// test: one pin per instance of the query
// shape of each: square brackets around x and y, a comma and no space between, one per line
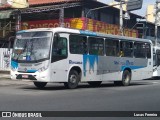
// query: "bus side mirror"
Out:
[10,42]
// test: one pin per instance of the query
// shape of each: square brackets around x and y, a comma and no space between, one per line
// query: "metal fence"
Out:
[5,58]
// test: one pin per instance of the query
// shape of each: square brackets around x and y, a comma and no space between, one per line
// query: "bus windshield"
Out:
[32,46]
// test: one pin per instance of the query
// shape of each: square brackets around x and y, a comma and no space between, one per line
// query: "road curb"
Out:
[4,72]
[4,76]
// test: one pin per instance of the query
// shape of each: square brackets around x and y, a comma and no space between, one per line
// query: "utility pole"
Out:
[156,22]
[18,20]
[121,18]
[61,17]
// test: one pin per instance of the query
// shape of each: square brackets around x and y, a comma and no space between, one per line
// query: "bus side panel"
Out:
[75,61]
[156,61]
[111,68]
[156,71]
[91,68]
[59,71]
[143,69]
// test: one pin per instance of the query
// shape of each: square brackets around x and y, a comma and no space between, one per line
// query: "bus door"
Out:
[59,54]
[157,62]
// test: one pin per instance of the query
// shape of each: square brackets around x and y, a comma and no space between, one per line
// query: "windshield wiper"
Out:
[32,53]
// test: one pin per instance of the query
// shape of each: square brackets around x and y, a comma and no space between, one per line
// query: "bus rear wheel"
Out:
[73,80]
[126,78]
[95,83]
[40,85]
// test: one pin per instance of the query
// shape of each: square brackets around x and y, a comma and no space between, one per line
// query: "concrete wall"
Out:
[5,58]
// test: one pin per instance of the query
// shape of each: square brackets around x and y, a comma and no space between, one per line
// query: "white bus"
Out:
[71,56]
[156,61]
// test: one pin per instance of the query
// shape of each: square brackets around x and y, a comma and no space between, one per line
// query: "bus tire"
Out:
[40,85]
[95,83]
[73,80]
[126,78]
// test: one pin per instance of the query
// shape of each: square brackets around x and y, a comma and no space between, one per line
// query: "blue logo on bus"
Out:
[74,62]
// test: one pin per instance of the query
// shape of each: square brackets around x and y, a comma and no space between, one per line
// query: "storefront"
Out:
[79,23]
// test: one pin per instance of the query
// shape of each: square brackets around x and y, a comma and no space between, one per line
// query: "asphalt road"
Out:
[142,95]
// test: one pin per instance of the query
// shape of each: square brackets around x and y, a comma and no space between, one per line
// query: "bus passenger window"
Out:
[126,48]
[121,53]
[96,46]
[140,50]
[112,47]
[59,48]
[148,50]
[78,44]
[156,58]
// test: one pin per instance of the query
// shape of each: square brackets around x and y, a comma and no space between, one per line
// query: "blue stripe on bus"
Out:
[132,67]
[92,60]
[14,64]
[88,33]
[31,71]
[22,31]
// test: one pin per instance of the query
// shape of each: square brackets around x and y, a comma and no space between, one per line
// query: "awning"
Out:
[5,14]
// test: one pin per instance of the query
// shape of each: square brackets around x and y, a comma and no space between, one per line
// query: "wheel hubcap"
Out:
[73,79]
[126,78]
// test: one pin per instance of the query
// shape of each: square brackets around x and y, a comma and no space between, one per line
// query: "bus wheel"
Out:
[40,85]
[126,78]
[73,80]
[95,83]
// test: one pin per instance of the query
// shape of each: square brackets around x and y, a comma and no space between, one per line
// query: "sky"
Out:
[141,11]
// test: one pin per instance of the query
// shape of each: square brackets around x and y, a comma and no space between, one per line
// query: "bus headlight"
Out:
[13,69]
[42,68]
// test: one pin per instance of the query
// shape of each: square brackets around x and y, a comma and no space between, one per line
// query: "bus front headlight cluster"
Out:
[13,69]
[43,68]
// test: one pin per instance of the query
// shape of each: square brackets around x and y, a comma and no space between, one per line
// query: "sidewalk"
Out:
[5,80]
[4,74]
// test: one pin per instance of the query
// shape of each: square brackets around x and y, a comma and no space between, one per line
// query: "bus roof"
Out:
[85,32]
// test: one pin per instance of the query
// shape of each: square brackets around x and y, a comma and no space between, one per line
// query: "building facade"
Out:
[70,13]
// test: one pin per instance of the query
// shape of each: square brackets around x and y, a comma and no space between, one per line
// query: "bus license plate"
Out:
[24,76]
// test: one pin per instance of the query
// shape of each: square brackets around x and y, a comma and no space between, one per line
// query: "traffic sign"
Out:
[134,5]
